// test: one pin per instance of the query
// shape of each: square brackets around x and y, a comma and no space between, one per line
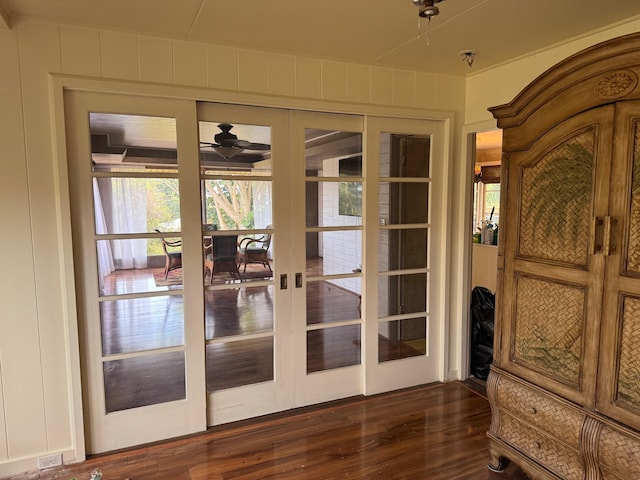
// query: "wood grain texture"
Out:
[433,432]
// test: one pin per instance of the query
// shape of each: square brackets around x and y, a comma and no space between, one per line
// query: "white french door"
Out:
[406,254]
[332,287]
[141,336]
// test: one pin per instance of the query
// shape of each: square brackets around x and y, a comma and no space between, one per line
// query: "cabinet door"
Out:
[553,266]
[619,380]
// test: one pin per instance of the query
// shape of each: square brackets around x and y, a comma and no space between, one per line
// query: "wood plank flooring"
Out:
[434,432]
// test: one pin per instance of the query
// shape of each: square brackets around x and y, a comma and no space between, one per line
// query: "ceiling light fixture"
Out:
[468,56]
[426,9]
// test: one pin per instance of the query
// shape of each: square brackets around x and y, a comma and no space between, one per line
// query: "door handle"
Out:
[597,235]
[283,281]
[299,280]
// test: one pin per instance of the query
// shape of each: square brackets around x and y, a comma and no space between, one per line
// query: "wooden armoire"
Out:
[564,387]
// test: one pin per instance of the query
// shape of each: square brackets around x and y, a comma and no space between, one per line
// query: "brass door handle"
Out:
[597,235]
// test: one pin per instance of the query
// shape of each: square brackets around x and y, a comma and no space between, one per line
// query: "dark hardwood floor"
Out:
[434,432]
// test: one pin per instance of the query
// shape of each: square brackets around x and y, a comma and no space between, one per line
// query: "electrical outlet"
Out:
[50,461]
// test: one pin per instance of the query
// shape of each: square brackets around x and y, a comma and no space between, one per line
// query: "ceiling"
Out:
[376,32]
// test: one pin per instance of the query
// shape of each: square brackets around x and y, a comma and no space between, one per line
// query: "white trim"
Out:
[462,284]
[59,83]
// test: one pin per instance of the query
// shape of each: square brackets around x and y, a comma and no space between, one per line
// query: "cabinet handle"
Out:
[283,281]
[298,280]
[607,246]
[533,411]
[597,235]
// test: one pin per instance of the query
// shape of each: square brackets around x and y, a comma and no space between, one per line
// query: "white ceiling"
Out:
[377,32]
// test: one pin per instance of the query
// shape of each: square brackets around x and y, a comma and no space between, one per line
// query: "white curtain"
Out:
[129,215]
[105,256]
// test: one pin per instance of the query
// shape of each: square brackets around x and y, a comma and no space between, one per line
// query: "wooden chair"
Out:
[255,250]
[173,257]
[221,255]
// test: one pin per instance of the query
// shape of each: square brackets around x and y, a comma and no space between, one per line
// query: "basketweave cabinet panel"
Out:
[567,336]
[552,283]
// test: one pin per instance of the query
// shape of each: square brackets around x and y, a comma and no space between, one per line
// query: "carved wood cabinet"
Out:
[565,384]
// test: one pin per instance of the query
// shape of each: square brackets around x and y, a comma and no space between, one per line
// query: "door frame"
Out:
[59,83]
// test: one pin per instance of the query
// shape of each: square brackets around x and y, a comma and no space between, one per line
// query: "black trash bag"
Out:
[482,321]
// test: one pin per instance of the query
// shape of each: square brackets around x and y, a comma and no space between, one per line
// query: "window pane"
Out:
[331,153]
[132,143]
[139,324]
[333,347]
[400,294]
[333,301]
[136,205]
[402,249]
[402,339]
[141,381]
[137,265]
[333,204]
[404,155]
[334,252]
[227,149]
[238,311]
[403,203]
[237,204]
[234,364]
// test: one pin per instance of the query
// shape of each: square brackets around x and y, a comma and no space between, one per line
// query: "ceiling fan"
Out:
[228,145]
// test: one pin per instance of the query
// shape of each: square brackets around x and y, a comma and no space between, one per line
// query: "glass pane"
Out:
[139,324]
[400,294]
[333,301]
[237,204]
[333,347]
[403,203]
[138,265]
[401,249]
[402,339]
[333,204]
[234,364]
[141,381]
[238,311]
[404,155]
[132,143]
[227,149]
[335,252]
[136,205]
[326,148]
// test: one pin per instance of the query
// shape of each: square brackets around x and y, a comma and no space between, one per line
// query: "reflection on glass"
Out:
[136,205]
[333,347]
[399,294]
[333,301]
[402,203]
[402,339]
[237,204]
[132,143]
[234,364]
[238,311]
[404,155]
[138,324]
[402,249]
[334,252]
[233,149]
[142,381]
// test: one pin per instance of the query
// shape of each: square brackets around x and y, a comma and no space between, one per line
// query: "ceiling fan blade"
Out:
[258,146]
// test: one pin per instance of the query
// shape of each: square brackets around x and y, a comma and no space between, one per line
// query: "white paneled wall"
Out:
[38,407]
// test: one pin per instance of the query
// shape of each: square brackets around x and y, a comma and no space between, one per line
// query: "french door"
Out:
[235,261]
[130,163]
